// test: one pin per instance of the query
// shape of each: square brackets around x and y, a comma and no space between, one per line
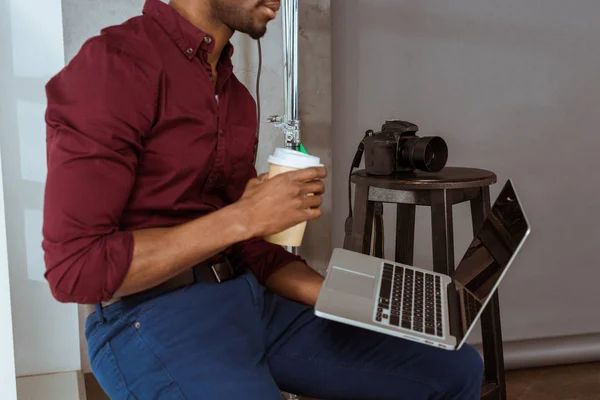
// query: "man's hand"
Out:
[297,282]
[276,204]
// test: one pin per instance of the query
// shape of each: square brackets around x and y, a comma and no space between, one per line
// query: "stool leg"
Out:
[405,233]
[362,226]
[491,330]
[378,236]
[442,232]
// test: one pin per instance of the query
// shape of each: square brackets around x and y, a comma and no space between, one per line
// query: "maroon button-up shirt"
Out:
[137,139]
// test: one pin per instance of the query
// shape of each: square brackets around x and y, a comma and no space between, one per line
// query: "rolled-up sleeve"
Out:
[262,258]
[99,108]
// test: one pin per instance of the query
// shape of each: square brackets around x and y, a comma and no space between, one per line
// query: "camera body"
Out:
[397,149]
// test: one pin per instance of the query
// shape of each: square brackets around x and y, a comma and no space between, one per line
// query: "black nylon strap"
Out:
[378,239]
[355,164]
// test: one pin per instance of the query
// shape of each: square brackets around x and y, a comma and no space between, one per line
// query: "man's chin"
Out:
[256,33]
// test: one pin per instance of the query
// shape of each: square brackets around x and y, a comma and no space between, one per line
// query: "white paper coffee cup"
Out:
[286,160]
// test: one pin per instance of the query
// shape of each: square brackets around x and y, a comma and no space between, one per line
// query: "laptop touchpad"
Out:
[353,283]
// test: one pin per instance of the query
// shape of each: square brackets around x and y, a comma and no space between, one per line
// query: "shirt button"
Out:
[221,132]
[207,39]
[190,51]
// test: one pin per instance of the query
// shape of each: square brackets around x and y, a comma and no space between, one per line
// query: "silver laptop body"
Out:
[418,304]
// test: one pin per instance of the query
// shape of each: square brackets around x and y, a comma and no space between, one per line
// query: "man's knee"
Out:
[468,375]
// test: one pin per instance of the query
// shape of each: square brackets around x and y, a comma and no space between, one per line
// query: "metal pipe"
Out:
[289,123]
[290,59]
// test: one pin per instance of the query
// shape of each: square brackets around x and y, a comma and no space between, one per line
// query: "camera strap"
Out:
[378,234]
[379,244]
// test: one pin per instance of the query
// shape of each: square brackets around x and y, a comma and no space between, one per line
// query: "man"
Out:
[154,213]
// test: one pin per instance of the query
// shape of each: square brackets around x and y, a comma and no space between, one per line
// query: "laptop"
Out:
[418,304]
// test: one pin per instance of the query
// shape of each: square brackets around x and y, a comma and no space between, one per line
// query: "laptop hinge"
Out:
[454,312]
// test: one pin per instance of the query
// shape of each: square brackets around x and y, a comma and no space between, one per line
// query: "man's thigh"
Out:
[202,342]
[317,358]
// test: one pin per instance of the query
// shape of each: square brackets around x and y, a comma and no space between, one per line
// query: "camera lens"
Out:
[427,154]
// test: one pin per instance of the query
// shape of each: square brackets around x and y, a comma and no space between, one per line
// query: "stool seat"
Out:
[448,178]
[416,188]
[439,191]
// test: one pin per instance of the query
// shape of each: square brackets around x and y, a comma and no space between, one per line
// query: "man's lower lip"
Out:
[272,13]
[275,6]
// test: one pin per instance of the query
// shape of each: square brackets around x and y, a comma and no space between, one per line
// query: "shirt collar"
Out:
[186,35]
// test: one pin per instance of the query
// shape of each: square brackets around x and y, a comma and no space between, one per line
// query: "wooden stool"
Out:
[440,191]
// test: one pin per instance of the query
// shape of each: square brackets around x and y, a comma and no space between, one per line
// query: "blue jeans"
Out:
[235,340]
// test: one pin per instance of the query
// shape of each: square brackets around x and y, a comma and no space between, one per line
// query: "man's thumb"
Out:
[262,177]
[258,180]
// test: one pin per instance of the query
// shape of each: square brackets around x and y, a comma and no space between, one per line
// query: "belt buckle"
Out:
[222,271]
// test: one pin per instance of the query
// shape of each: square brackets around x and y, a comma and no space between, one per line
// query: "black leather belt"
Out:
[207,272]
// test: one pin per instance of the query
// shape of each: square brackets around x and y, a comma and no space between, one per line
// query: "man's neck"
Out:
[199,15]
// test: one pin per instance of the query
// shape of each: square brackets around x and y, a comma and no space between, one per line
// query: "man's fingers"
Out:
[313,201]
[312,213]
[308,174]
[314,187]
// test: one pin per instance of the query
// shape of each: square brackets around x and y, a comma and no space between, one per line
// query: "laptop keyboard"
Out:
[471,306]
[410,299]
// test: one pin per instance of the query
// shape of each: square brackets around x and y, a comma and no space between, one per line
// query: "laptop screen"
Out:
[489,254]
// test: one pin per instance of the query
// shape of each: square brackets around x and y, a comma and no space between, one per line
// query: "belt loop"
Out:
[99,313]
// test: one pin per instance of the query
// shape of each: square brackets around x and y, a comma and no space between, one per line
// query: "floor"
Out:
[574,382]
[58,386]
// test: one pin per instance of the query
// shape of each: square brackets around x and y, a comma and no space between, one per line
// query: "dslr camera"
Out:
[398,149]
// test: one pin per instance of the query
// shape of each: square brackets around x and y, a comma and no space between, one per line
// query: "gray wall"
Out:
[514,87]
[314,70]
[31,47]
